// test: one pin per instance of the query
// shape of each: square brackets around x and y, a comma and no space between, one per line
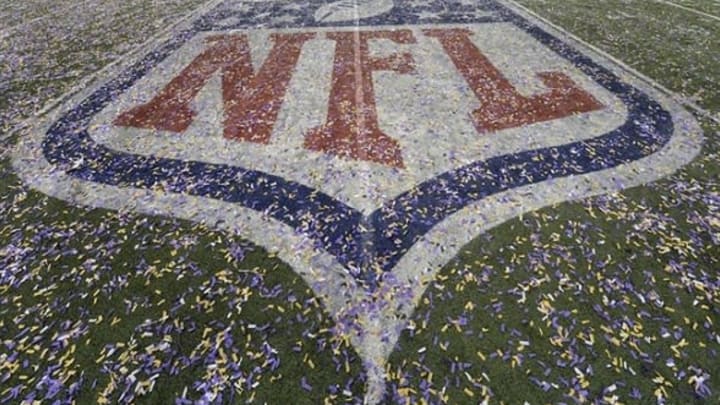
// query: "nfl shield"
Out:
[365,142]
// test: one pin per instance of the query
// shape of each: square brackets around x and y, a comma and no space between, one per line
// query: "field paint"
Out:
[85,82]
[714,117]
[417,267]
[692,10]
[10,30]
[404,114]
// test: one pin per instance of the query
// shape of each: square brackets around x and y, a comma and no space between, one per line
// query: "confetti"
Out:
[613,298]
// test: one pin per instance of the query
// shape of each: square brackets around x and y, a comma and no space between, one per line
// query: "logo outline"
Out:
[680,147]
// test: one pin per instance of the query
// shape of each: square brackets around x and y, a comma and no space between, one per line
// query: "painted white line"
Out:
[712,116]
[8,31]
[690,9]
[27,123]
[382,321]
[371,348]
[12,29]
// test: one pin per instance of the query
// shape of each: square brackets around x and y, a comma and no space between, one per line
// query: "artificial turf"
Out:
[609,299]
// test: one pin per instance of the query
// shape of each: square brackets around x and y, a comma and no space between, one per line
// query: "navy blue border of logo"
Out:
[370,250]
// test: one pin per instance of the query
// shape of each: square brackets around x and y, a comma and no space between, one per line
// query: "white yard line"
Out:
[10,30]
[690,9]
[27,122]
[112,7]
[713,116]
[7,31]
[370,349]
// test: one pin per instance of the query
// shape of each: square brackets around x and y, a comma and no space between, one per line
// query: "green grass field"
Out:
[612,299]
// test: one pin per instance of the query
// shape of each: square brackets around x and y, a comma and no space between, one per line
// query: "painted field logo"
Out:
[365,152]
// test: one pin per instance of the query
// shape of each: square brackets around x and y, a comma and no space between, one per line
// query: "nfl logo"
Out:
[364,145]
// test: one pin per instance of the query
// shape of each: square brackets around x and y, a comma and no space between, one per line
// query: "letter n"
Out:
[251,100]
